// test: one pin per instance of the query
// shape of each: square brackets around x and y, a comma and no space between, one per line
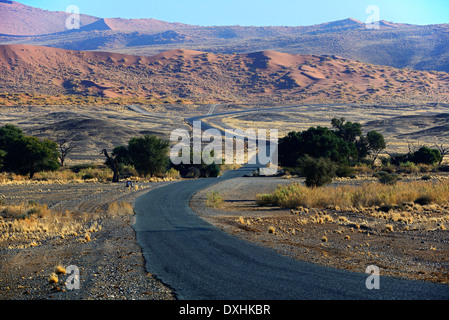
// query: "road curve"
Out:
[200,262]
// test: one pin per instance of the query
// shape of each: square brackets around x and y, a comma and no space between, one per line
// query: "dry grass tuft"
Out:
[348,197]
[53,278]
[120,209]
[214,199]
[60,270]
[29,224]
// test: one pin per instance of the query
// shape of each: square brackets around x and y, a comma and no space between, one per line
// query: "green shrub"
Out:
[214,199]
[424,200]
[213,170]
[408,167]
[318,172]
[265,200]
[427,156]
[387,178]
[77,168]
[344,171]
[88,176]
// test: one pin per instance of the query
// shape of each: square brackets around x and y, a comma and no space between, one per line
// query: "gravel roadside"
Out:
[110,262]
[331,237]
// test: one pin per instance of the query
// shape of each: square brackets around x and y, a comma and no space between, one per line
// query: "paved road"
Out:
[200,262]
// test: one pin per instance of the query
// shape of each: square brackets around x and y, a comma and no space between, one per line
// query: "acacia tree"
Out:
[26,154]
[112,162]
[65,148]
[149,154]
[29,155]
[376,143]
[444,151]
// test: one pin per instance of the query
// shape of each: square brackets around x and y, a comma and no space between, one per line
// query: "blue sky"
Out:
[257,12]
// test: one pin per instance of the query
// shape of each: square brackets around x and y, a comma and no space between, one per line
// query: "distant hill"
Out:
[394,44]
[21,20]
[188,75]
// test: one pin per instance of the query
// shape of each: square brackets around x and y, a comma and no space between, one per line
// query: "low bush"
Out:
[347,197]
[424,200]
[318,172]
[214,199]
[387,178]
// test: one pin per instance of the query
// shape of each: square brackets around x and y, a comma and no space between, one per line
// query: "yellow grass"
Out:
[120,209]
[94,174]
[349,197]
[32,223]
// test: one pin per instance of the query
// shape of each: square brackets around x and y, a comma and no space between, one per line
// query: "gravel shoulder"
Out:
[330,237]
[110,262]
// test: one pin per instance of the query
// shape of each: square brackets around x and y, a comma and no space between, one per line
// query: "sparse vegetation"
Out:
[320,154]
[32,223]
[214,199]
[364,195]
[26,154]
[318,172]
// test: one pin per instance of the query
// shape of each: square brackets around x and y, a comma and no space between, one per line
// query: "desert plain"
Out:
[88,222]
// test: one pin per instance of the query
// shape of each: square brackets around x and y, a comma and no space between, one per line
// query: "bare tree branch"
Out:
[65,148]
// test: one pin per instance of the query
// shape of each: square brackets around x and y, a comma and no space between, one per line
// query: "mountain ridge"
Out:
[396,45]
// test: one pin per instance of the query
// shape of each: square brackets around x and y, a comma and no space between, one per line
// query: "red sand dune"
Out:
[266,76]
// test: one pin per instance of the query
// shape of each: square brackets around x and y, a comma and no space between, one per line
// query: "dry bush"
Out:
[349,197]
[120,209]
[61,175]
[32,223]
[214,200]
[98,174]
[172,174]
[28,224]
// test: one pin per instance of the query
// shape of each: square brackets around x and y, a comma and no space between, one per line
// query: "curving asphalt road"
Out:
[200,262]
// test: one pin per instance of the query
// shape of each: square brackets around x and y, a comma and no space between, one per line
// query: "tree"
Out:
[65,148]
[149,154]
[289,148]
[112,162]
[9,134]
[444,150]
[347,130]
[28,155]
[121,153]
[343,146]
[376,143]
[426,155]
[318,172]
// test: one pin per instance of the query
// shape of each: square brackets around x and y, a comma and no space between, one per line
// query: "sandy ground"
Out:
[110,264]
[322,237]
